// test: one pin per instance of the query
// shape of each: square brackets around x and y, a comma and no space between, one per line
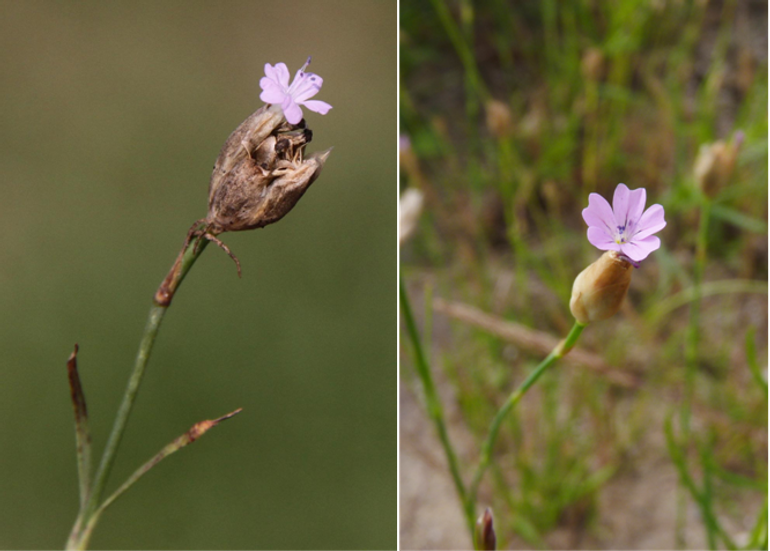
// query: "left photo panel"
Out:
[199,274]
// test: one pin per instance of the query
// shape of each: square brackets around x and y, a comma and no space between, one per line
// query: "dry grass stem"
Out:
[532,341]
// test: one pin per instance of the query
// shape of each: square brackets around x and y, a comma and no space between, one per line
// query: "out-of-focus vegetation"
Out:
[516,111]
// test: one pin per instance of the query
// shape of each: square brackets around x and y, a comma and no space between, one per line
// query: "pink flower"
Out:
[624,227]
[276,90]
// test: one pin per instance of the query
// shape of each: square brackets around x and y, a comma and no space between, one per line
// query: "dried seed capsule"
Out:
[260,173]
[715,164]
[499,119]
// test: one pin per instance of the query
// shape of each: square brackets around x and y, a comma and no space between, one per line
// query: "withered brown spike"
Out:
[76,390]
[484,534]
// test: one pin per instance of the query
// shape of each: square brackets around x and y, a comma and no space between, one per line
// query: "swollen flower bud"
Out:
[599,290]
[715,164]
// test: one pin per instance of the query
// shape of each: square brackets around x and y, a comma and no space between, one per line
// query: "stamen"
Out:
[306,64]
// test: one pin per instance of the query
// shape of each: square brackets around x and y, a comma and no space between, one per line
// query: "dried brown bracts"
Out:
[259,176]
[261,173]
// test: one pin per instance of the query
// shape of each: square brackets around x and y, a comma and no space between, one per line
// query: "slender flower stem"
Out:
[464,52]
[78,538]
[486,451]
[693,330]
[435,409]
[691,352]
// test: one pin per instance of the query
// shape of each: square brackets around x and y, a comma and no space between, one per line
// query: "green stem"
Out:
[79,538]
[464,51]
[691,346]
[435,409]
[486,450]
[693,330]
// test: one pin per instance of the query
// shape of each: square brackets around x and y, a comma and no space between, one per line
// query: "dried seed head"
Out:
[715,164]
[592,64]
[260,173]
[499,119]
[599,290]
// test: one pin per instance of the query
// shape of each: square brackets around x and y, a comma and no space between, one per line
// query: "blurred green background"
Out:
[112,116]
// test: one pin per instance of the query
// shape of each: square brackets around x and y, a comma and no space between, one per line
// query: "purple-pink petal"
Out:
[626,203]
[636,201]
[291,110]
[305,86]
[638,249]
[599,213]
[625,226]
[270,72]
[652,221]
[600,239]
[271,93]
[318,106]
[276,90]
[281,75]
[620,203]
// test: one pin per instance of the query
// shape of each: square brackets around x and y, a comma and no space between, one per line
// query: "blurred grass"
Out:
[113,114]
[598,93]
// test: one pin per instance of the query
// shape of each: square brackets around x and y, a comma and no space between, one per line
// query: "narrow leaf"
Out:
[751,358]
[738,218]
[195,432]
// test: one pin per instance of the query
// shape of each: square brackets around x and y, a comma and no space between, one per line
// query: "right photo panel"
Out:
[583,274]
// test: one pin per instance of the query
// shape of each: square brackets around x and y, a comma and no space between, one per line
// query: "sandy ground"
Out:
[431,516]
[637,510]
